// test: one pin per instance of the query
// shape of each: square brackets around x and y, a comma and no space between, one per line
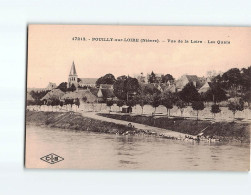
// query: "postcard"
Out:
[115,97]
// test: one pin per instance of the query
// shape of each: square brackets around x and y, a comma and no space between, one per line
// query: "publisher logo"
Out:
[52,158]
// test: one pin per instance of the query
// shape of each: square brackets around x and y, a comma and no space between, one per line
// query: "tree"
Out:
[49,102]
[124,88]
[141,100]
[37,95]
[215,109]
[215,94]
[189,93]
[61,104]
[198,105]
[57,102]
[63,86]
[72,88]
[235,105]
[52,104]
[155,101]
[232,80]
[167,100]
[181,105]
[71,102]
[167,78]
[38,103]
[107,79]
[77,102]
[120,103]
[152,78]
[247,97]
[131,103]
[109,103]
[150,89]
[246,78]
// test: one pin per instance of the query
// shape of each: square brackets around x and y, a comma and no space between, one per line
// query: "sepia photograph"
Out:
[117,97]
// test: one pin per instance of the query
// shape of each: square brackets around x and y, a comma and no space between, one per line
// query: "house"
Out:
[185,79]
[87,82]
[82,95]
[140,77]
[105,94]
[205,87]
[53,94]
[51,86]
[158,77]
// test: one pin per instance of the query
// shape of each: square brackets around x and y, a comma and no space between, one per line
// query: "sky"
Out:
[51,51]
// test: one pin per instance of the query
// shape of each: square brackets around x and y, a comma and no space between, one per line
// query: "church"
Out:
[79,82]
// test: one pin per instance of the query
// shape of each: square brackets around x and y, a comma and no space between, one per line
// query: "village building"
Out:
[73,77]
[53,94]
[198,82]
[87,82]
[140,77]
[79,82]
[84,96]
[206,87]
[158,77]
[51,86]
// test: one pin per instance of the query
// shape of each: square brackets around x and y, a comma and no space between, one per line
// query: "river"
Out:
[87,150]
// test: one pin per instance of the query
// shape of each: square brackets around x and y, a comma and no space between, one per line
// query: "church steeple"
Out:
[73,69]
[73,77]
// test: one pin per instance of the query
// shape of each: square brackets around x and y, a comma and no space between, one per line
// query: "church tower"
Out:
[73,77]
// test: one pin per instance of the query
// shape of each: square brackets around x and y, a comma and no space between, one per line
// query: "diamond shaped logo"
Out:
[52,158]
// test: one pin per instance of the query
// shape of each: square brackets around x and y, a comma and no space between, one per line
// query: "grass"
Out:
[75,121]
[222,130]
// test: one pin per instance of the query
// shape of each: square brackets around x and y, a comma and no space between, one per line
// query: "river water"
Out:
[87,150]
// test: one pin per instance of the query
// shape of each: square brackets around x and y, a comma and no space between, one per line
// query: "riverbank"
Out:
[171,128]
[223,131]
[75,121]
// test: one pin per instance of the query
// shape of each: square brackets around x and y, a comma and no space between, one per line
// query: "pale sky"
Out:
[51,51]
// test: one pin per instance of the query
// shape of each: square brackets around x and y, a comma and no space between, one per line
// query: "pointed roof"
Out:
[73,69]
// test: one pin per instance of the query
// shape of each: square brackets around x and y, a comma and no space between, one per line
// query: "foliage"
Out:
[198,105]
[215,94]
[154,101]
[152,78]
[107,79]
[123,88]
[246,78]
[120,103]
[215,109]
[109,103]
[61,103]
[72,88]
[77,102]
[189,93]
[181,105]
[232,78]
[131,103]
[37,95]
[166,78]
[167,100]
[150,89]
[63,86]
[141,99]
[235,105]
